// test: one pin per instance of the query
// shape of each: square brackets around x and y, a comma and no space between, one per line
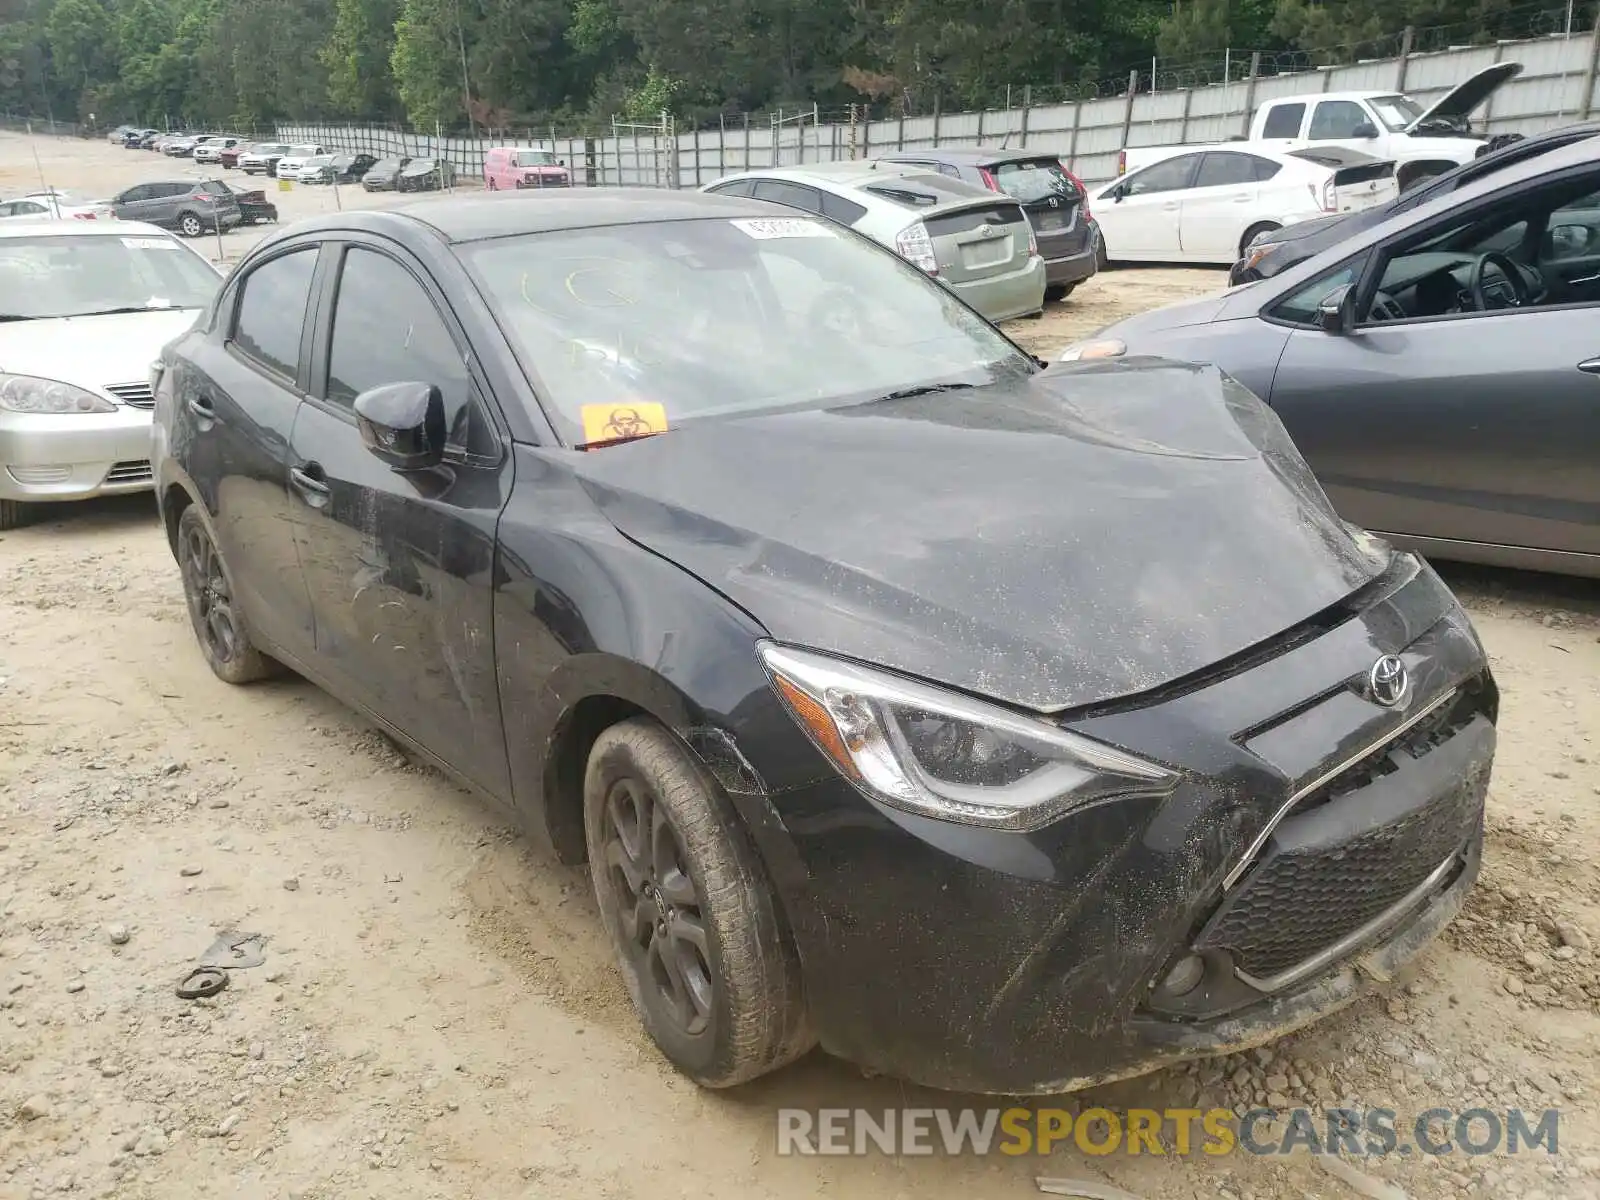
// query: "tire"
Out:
[1101,261]
[13,514]
[1057,292]
[722,999]
[1255,230]
[219,626]
[190,225]
[493,187]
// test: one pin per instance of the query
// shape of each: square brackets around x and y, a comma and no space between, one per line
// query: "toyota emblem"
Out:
[1388,681]
[984,230]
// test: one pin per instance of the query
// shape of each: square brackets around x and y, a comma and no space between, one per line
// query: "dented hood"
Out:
[1094,531]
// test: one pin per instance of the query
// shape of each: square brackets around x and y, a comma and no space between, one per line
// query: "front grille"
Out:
[135,395]
[1296,902]
[136,471]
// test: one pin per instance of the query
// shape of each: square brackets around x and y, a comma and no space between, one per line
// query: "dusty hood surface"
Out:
[91,351]
[1096,531]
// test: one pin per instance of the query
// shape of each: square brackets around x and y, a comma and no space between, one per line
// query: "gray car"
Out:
[1056,204]
[191,206]
[1440,370]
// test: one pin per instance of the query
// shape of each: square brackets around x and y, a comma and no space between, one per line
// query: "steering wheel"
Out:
[1506,267]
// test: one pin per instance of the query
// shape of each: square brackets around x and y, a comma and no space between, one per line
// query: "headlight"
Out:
[1093,348]
[27,394]
[1256,251]
[940,754]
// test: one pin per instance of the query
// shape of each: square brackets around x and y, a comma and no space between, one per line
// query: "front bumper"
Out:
[1314,829]
[1001,297]
[74,457]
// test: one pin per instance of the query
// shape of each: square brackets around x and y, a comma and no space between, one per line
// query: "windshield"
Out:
[321,160]
[535,158]
[1396,112]
[74,276]
[721,317]
[1032,182]
[303,151]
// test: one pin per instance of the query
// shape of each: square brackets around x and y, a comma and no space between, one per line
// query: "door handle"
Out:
[311,485]
[202,407]
[1590,366]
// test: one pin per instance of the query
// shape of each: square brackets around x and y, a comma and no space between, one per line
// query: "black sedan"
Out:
[1000,727]
[344,168]
[384,175]
[1439,370]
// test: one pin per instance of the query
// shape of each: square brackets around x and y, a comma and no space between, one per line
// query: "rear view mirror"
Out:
[1336,312]
[403,424]
[1366,130]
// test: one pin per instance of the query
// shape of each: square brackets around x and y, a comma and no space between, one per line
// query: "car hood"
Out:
[1096,531]
[1461,101]
[91,352]
[1201,310]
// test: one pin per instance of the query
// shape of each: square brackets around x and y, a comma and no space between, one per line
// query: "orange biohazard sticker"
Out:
[618,422]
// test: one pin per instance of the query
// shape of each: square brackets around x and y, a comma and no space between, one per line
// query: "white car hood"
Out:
[91,352]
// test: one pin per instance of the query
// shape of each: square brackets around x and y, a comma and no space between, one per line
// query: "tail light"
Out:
[1324,197]
[82,216]
[1033,242]
[915,246]
[1083,192]
[988,179]
[1122,162]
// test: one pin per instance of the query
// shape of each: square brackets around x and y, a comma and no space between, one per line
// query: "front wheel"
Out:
[219,626]
[1254,232]
[13,514]
[1058,291]
[689,910]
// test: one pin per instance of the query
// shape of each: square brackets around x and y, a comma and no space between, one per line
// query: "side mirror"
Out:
[1337,311]
[1365,130]
[1118,192]
[561,162]
[403,424]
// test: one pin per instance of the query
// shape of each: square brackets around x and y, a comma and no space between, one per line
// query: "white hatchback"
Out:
[1205,204]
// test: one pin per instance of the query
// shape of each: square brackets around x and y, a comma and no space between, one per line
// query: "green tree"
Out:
[426,62]
[357,58]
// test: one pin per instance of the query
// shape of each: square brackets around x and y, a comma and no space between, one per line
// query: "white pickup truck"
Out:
[1421,142]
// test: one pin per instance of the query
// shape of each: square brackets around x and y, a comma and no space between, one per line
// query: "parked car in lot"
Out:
[1206,204]
[1056,204]
[384,175]
[84,308]
[1006,729]
[254,207]
[348,168]
[120,132]
[507,168]
[1438,369]
[210,150]
[312,170]
[1274,251]
[289,163]
[263,158]
[426,175]
[56,205]
[979,244]
[158,141]
[228,156]
[139,139]
[192,207]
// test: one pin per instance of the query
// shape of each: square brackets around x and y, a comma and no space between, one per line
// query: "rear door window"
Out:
[1283,121]
[1221,170]
[272,311]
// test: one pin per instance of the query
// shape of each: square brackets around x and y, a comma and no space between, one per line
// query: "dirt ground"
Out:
[436,1015]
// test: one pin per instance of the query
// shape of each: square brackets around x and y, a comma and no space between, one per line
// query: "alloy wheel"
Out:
[191,225]
[208,593]
[662,926]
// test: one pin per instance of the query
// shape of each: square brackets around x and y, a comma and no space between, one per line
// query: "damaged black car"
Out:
[1003,727]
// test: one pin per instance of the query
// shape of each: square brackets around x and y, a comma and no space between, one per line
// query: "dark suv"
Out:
[1055,202]
[192,207]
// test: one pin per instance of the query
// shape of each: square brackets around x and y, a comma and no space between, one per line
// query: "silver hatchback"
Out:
[977,242]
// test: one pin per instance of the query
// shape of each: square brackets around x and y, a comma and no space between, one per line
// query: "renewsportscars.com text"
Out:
[1372,1132]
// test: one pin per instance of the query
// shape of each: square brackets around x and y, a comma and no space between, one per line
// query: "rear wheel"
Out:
[190,225]
[1254,232]
[13,514]
[1058,291]
[219,626]
[689,910]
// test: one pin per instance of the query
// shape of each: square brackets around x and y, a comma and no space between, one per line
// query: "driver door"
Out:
[1468,426]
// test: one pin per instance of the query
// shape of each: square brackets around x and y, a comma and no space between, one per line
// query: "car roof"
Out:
[506,214]
[1303,97]
[23,227]
[971,154]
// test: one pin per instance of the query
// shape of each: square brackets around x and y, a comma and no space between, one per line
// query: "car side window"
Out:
[1283,121]
[28,208]
[1167,176]
[837,208]
[139,192]
[271,310]
[1218,170]
[739,187]
[387,330]
[781,191]
[1337,119]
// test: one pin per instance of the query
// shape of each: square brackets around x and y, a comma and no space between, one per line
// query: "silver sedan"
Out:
[84,310]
